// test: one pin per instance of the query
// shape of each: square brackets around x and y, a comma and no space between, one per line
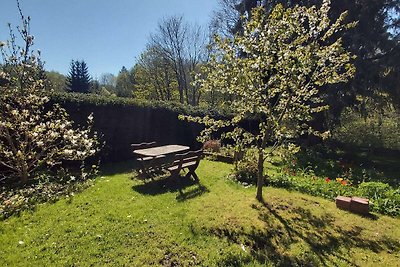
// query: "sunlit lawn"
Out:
[125,222]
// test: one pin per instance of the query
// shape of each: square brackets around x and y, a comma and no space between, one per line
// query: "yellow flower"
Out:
[339,179]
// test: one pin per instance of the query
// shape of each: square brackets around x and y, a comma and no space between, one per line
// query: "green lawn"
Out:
[125,222]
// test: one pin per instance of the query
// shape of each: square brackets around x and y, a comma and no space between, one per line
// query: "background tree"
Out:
[227,19]
[125,83]
[184,46]
[94,86]
[56,81]
[107,82]
[155,76]
[274,73]
[78,79]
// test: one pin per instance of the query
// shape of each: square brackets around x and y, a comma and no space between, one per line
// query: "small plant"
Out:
[246,171]
[373,190]
[212,146]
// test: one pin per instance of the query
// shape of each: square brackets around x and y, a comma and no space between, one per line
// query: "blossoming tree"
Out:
[275,73]
[33,133]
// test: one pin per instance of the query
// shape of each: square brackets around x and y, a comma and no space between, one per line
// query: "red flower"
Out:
[327,179]
[344,182]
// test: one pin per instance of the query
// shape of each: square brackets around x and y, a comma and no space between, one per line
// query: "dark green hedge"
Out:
[122,121]
[98,100]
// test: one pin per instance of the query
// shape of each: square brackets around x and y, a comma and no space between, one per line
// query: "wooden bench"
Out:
[147,164]
[189,161]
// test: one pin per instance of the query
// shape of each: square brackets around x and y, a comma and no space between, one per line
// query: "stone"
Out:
[343,202]
[359,205]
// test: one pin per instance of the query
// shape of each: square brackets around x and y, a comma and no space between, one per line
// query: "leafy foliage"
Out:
[212,146]
[273,73]
[56,81]
[112,100]
[155,76]
[378,125]
[124,83]
[246,171]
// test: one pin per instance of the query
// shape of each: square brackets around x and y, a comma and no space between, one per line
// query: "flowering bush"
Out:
[33,133]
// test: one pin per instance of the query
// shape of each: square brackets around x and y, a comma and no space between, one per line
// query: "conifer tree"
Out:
[78,79]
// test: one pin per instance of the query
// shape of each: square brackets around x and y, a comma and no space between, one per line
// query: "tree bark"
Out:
[260,176]
[23,173]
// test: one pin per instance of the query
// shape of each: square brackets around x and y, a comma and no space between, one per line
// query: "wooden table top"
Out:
[161,150]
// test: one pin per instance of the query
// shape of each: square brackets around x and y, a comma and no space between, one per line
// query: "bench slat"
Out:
[185,165]
[188,160]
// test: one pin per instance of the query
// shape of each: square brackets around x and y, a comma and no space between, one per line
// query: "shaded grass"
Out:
[120,221]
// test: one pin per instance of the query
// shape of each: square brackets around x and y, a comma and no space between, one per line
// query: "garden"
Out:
[118,220]
[268,158]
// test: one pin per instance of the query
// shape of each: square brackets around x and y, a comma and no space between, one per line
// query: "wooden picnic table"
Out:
[158,158]
[161,150]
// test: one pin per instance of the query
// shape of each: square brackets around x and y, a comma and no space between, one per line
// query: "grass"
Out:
[125,222]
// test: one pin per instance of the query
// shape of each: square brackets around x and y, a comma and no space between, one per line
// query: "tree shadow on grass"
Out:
[287,227]
[187,188]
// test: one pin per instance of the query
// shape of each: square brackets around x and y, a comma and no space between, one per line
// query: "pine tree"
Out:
[78,79]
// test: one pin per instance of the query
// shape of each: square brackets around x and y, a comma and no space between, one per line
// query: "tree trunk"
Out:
[23,173]
[260,176]
[181,100]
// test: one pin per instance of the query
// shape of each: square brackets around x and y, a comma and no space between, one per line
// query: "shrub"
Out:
[385,199]
[379,127]
[373,190]
[246,171]
[212,146]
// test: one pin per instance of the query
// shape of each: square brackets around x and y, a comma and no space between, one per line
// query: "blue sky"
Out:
[107,34]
